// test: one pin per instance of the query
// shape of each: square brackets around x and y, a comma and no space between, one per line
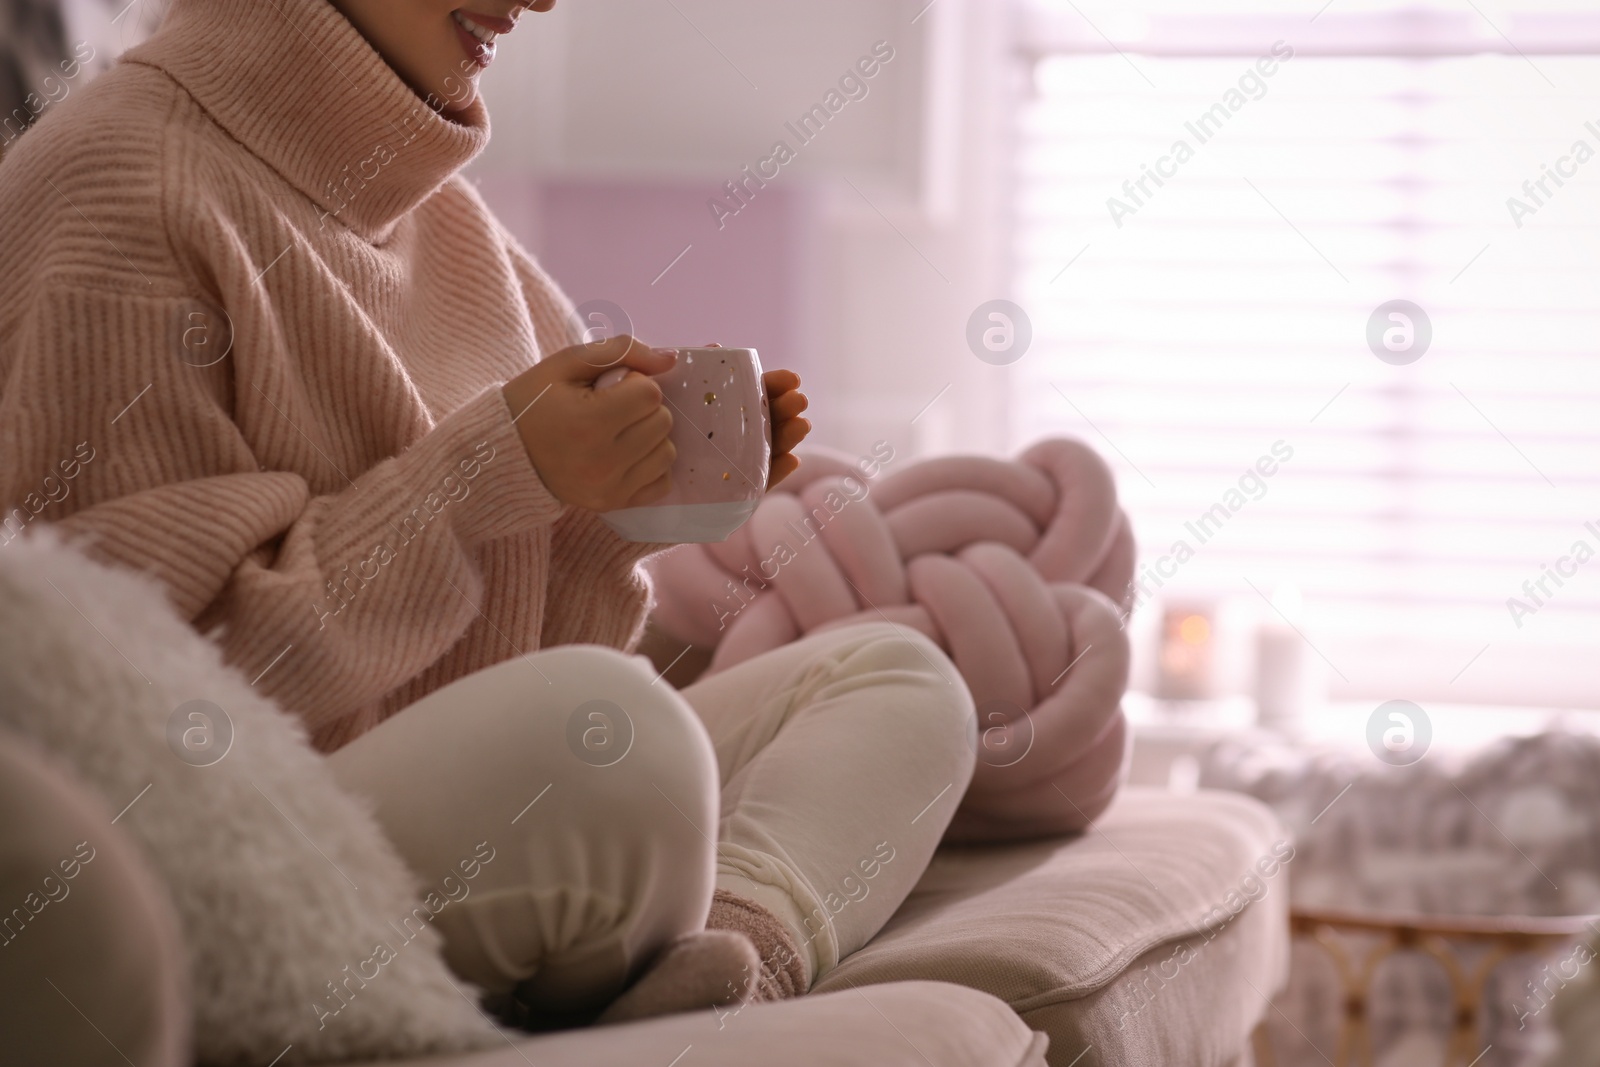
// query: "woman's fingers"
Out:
[651,478]
[648,445]
[786,402]
[647,421]
[586,362]
[788,435]
[788,405]
[782,467]
[778,381]
[644,434]
[635,397]
[652,492]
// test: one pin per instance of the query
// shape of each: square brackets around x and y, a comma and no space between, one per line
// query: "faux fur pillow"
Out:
[299,918]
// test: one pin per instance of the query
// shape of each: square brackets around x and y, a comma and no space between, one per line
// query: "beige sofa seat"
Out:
[1134,944]
[93,971]
[911,1024]
[1155,938]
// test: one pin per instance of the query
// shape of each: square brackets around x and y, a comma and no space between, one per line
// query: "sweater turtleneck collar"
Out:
[299,86]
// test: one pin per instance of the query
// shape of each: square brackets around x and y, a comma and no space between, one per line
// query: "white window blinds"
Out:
[1218,303]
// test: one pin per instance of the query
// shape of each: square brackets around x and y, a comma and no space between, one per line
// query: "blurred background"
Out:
[1316,277]
[1186,327]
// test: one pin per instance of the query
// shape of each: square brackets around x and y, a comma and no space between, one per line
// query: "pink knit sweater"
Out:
[253,331]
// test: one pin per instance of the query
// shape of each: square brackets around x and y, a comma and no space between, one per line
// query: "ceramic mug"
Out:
[723,433]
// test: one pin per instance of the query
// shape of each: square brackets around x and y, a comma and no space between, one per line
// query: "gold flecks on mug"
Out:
[711,398]
[724,475]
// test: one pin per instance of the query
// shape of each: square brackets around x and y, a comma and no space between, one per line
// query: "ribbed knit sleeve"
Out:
[597,593]
[332,600]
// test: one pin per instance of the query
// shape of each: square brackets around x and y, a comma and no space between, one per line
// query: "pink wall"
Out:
[742,285]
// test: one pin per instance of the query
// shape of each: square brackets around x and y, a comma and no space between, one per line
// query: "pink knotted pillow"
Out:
[1017,568]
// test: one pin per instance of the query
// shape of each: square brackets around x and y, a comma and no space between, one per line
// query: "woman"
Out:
[304,362]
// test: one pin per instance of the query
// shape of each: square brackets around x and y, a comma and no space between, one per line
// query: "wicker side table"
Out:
[1444,939]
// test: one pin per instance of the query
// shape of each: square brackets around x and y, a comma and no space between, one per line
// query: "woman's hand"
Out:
[785,401]
[597,449]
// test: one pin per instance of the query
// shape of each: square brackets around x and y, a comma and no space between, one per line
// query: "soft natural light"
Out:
[1210,327]
[1111,8]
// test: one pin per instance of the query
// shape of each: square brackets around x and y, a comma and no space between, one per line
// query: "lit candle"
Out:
[1187,667]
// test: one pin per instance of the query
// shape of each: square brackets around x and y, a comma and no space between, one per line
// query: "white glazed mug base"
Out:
[680,523]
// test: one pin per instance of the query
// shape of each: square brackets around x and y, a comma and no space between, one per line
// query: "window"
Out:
[1196,308]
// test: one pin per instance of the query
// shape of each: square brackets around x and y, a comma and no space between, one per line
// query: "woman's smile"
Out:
[437,49]
[478,32]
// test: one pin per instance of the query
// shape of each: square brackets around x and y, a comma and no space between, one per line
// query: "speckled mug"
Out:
[723,433]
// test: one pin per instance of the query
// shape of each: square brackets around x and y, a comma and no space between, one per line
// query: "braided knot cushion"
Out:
[1017,569]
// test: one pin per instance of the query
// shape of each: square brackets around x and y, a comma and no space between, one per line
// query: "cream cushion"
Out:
[1154,938]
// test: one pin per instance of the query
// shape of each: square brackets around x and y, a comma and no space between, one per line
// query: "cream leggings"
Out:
[570,814]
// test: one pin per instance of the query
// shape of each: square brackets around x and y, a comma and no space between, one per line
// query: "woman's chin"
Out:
[457,92]
[448,96]
[454,107]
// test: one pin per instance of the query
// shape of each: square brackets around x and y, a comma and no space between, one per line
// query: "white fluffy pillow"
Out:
[280,879]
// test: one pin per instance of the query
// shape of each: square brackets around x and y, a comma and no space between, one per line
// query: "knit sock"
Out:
[783,969]
[701,970]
